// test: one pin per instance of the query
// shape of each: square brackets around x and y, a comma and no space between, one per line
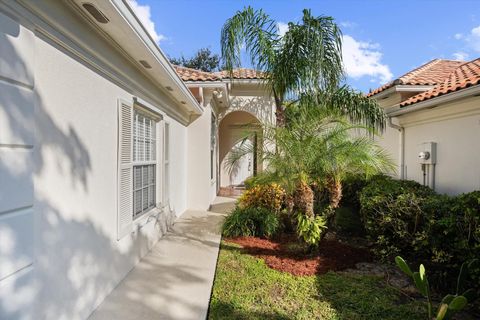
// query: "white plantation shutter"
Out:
[125,168]
[166,164]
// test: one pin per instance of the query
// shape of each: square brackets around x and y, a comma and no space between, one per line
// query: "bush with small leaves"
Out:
[251,221]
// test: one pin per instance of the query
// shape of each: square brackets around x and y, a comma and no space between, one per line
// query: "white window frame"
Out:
[166,167]
[213,147]
[141,163]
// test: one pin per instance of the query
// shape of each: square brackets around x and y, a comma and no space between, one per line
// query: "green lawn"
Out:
[245,288]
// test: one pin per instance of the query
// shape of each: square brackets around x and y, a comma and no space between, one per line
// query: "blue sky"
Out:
[382,39]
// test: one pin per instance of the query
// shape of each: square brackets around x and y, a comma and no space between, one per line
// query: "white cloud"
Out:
[143,13]
[471,39]
[348,24]
[282,28]
[364,59]
[476,31]
[461,56]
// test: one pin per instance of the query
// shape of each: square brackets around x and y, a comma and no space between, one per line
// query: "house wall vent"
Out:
[145,64]
[95,13]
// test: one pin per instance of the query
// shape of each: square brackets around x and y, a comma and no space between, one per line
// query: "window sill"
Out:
[145,218]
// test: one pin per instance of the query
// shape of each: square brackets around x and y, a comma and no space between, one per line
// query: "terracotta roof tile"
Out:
[464,76]
[188,74]
[242,73]
[431,73]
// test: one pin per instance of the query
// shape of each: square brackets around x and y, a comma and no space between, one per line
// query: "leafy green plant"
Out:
[251,221]
[269,196]
[310,229]
[352,186]
[394,217]
[451,303]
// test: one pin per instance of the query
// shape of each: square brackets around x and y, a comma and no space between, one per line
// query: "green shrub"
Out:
[310,229]
[351,188]
[251,221]
[347,220]
[251,182]
[392,213]
[269,196]
[454,233]
[406,218]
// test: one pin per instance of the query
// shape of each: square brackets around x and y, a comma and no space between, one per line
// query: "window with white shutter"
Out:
[137,165]
[144,163]
[125,169]
[166,163]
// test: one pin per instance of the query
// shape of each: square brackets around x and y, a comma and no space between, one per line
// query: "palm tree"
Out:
[317,147]
[305,62]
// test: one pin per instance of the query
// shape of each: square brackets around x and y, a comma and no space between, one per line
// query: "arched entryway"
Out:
[233,129]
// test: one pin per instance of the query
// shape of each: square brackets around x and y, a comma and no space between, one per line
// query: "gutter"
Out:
[401,146]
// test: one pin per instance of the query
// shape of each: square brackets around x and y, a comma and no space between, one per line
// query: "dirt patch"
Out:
[287,255]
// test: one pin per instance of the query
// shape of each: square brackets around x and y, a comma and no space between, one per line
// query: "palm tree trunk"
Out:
[335,189]
[279,110]
[303,199]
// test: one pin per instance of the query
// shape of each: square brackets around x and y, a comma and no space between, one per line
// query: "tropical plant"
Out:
[451,303]
[304,64]
[310,229]
[270,196]
[316,148]
[251,221]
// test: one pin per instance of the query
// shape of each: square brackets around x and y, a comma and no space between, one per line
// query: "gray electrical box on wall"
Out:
[428,153]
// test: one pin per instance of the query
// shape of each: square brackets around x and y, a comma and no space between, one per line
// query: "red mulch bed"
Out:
[287,255]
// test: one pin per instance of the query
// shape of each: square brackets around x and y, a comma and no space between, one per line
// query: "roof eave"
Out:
[445,98]
[401,88]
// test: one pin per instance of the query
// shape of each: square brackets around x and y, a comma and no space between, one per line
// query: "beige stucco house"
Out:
[102,146]
[434,124]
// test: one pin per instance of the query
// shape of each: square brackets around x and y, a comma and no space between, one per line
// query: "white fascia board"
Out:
[401,88]
[464,93]
[206,84]
[412,88]
[128,16]
[243,81]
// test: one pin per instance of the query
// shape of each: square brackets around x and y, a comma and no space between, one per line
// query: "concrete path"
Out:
[175,279]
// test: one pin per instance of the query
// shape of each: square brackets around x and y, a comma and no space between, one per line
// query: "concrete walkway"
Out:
[175,279]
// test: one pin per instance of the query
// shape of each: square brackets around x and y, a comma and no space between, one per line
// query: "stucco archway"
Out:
[233,129]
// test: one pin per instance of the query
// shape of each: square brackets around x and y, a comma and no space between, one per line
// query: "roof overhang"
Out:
[125,28]
[400,88]
[434,102]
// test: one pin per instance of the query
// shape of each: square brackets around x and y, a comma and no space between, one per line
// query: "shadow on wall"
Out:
[22,108]
[87,261]
[262,108]
[87,267]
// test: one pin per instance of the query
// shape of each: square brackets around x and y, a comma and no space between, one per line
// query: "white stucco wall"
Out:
[455,127]
[58,175]
[201,188]
[17,135]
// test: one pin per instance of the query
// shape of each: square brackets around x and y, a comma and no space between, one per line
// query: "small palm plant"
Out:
[316,147]
[451,303]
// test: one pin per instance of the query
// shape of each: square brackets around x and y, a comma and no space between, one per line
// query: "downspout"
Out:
[401,146]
